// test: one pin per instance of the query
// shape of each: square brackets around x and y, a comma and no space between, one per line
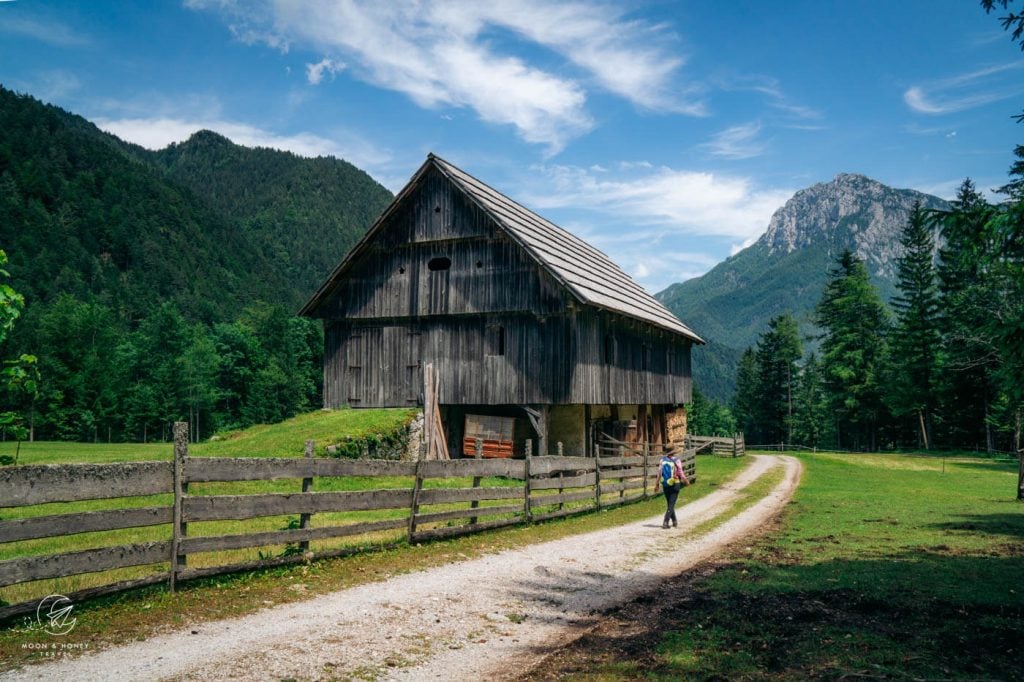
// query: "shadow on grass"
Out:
[1009,525]
[1009,466]
[926,615]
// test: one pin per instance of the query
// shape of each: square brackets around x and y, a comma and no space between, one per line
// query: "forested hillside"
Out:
[163,285]
[81,216]
[259,190]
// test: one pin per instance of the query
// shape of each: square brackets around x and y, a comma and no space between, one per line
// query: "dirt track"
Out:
[491,617]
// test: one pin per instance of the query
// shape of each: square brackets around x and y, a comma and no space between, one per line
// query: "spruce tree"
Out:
[810,419]
[744,404]
[778,351]
[854,321]
[969,298]
[914,342]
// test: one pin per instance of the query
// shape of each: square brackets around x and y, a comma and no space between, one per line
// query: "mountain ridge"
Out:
[786,268]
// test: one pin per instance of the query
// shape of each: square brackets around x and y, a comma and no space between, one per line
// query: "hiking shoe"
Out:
[675,524]
[665,525]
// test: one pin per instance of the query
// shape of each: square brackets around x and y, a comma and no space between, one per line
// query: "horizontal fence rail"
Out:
[718,445]
[425,500]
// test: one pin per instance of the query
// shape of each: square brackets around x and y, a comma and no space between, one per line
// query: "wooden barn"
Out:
[532,333]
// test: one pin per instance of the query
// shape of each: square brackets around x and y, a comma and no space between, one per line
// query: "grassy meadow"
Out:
[285,439]
[883,566]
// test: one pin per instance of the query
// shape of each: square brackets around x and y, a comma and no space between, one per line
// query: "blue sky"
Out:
[665,133]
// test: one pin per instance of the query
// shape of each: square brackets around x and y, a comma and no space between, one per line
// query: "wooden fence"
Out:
[503,492]
[717,445]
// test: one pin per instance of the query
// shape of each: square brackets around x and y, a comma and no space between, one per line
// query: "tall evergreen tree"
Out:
[778,351]
[914,342]
[1007,324]
[854,321]
[968,300]
[744,404]
[810,418]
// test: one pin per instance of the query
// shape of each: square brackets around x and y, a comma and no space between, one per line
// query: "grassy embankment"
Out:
[286,439]
[139,612]
[884,566]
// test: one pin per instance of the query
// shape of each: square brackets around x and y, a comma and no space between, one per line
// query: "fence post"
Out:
[526,498]
[622,481]
[179,529]
[597,476]
[478,455]
[646,453]
[561,474]
[735,446]
[307,485]
[415,507]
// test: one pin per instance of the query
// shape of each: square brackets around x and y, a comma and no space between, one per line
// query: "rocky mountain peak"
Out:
[852,211]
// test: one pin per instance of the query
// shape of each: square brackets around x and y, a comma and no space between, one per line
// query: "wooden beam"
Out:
[217,543]
[443,495]
[273,468]
[26,569]
[236,507]
[539,420]
[13,530]
[44,483]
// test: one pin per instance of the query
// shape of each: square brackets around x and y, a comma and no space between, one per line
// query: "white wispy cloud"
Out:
[774,95]
[645,217]
[673,200]
[50,31]
[655,271]
[158,132]
[325,67]
[965,91]
[736,142]
[442,53]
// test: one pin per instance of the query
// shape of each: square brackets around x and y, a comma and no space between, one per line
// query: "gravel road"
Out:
[487,618]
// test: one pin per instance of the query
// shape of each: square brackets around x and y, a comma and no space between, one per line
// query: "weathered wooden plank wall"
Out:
[589,358]
[488,272]
[498,328]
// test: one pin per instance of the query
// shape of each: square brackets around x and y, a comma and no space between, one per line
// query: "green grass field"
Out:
[884,566]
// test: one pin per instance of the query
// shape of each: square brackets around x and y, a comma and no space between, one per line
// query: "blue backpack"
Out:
[671,472]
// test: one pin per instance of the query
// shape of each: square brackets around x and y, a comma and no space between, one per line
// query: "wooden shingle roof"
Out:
[587,273]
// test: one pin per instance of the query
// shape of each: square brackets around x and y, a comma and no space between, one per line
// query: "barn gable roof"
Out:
[587,273]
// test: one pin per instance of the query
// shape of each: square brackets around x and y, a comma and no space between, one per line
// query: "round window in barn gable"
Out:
[439,263]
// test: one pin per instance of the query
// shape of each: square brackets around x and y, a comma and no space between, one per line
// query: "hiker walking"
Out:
[671,478]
